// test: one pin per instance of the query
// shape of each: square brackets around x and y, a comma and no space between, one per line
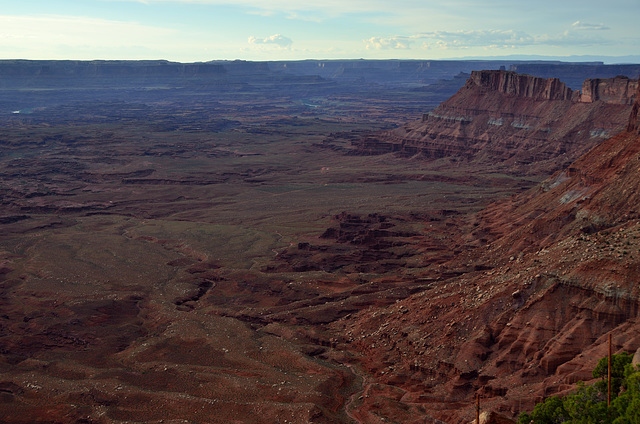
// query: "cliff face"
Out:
[513,122]
[634,118]
[599,190]
[618,90]
[553,273]
[525,86]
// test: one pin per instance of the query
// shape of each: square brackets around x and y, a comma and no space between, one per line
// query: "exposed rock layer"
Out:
[514,122]
[619,90]
[108,317]
[512,84]
[554,273]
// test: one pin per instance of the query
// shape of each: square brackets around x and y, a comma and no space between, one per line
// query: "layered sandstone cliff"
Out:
[522,123]
[545,278]
[518,85]
[634,119]
[618,90]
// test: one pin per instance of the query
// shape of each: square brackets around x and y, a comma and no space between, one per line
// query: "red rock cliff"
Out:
[634,118]
[513,122]
[519,85]
[528,314]
[618,90]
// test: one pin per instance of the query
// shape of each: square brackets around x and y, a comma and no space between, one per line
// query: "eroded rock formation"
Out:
[512,84]
[127,296]
[514,122]
[554,272]
[618,90]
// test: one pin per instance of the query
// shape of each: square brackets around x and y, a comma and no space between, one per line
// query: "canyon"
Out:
[252,242]
[514,123]
[545,277]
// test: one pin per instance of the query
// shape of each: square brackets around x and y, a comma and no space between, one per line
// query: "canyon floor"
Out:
[233,260]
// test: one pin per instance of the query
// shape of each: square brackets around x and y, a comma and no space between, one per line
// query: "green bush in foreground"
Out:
[588,405]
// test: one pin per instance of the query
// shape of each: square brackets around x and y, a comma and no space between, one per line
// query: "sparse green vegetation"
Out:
[588,404]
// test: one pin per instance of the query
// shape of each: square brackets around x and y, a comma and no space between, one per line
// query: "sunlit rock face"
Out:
[531,311]
[520,123]
[519,85]
[618,90]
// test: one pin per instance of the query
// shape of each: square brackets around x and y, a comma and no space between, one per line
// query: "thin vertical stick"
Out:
[609,375]
[477,408]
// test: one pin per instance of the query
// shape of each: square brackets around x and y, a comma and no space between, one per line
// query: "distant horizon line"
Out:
[605,60]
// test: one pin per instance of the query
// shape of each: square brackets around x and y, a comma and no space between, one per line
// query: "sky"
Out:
[203,30]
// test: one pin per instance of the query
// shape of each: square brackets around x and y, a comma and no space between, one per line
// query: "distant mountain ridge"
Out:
[429,71]
[391,72]
[573,74]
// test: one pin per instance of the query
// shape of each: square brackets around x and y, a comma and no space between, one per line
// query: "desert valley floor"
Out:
[240,245]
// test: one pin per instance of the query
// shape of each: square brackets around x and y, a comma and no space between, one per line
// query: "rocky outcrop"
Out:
[598,191]
[493,418]
[518,85]
[580,228]
[554,274]
[634,118]
[619,90]
[513,122]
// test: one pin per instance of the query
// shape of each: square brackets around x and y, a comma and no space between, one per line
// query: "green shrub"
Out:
[588,404]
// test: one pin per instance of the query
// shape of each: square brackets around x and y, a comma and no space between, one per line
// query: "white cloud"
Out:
[277,39]
[353,28]
[477,38]
[488,39]
[454,39]
[590,27]
[396,43]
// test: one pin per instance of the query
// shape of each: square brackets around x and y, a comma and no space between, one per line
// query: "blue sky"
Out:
[202,30]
